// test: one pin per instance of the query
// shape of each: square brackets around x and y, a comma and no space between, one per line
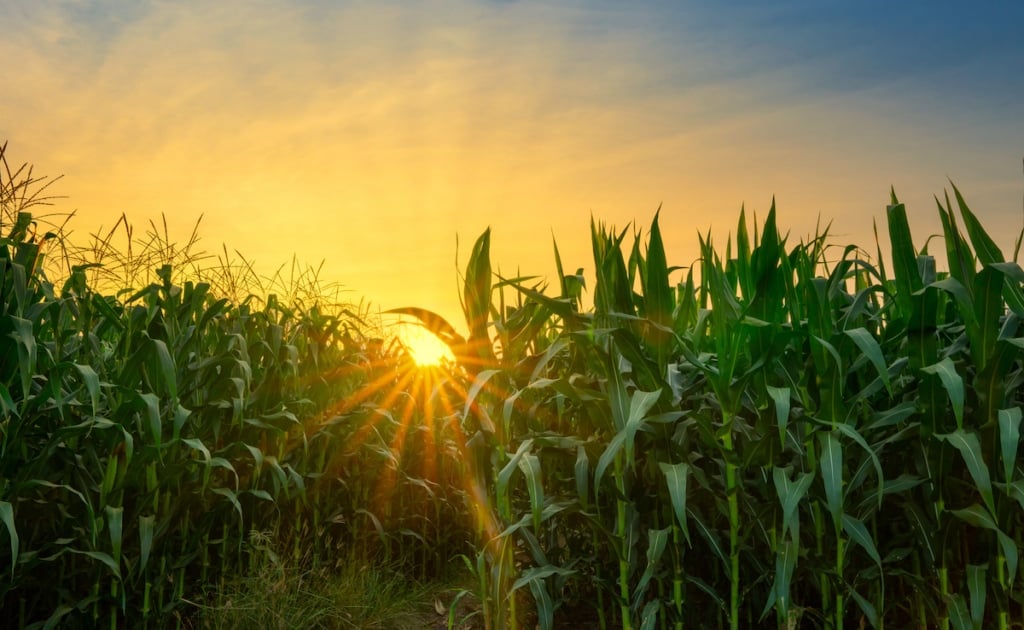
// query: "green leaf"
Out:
[649,616]
[657,291]
[904,256]
[785,563]
[716,546]
[988,252]
[92,384]
[197,445]
[970,449]
[102,557]
[147,525]
[790,494]
[832,473]
[115,516]
[858,533]
[854,435]
[976,515]
[979,517]
[540,573]
[7,516]
[477,297]
[167,369]
[151,408]
[25,341]
[232,497]
[781,397]
[545,607]
[656,542]
[988,308]
[954,385]
[607,457]
[582,470]
[530,465]
[867,344]
[956,609]
[976,587]
[1010,553]
[1009,439]
[478,384]
[676,476]
[639,404]
[865,606]
[504,477]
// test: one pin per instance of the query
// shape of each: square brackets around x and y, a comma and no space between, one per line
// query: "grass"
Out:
[350,595]
[787,434]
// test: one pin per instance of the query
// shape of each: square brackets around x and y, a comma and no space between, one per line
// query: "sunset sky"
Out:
[370,134]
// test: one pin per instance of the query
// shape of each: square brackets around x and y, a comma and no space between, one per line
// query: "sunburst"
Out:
[425,348]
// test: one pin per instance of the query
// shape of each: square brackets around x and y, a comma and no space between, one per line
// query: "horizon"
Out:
[371,136]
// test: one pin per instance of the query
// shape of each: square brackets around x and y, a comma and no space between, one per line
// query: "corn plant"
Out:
[790,435]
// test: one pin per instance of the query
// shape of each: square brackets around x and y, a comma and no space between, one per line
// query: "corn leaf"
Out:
[956,610]
[976,589]
[7,516]
[781,395]
[114,518]
[147,526]
[530,465]
[953,384]
[970,450]
[869,346]
[859,534]
[790,494]
[676,476]
[1009,439]
[832,473]
[657,539]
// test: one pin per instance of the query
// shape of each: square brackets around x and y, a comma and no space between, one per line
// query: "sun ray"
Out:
[426,348]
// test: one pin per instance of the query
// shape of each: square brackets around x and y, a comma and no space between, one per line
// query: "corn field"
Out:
[789,434]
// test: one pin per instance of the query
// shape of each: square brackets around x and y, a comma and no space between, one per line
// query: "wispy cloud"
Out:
[343,130]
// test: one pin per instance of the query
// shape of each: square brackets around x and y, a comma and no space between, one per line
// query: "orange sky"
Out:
[370,134]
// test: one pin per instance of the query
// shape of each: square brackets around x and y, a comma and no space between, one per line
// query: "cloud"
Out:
[343,130]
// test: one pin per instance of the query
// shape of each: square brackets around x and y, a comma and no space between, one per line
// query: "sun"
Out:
[425,347]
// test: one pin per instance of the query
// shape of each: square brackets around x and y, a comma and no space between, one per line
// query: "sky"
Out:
[375,136]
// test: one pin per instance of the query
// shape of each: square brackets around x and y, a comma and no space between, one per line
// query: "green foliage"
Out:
[789,434]
[783,430]
[145,433]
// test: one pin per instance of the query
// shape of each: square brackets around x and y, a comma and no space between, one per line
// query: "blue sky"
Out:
[370,134]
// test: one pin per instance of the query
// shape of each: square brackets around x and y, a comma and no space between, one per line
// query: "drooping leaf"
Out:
[953,384]
[869,346]
[970,450]
[676,476]
[858,533]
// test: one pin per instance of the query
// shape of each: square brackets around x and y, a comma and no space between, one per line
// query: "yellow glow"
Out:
[426,349]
